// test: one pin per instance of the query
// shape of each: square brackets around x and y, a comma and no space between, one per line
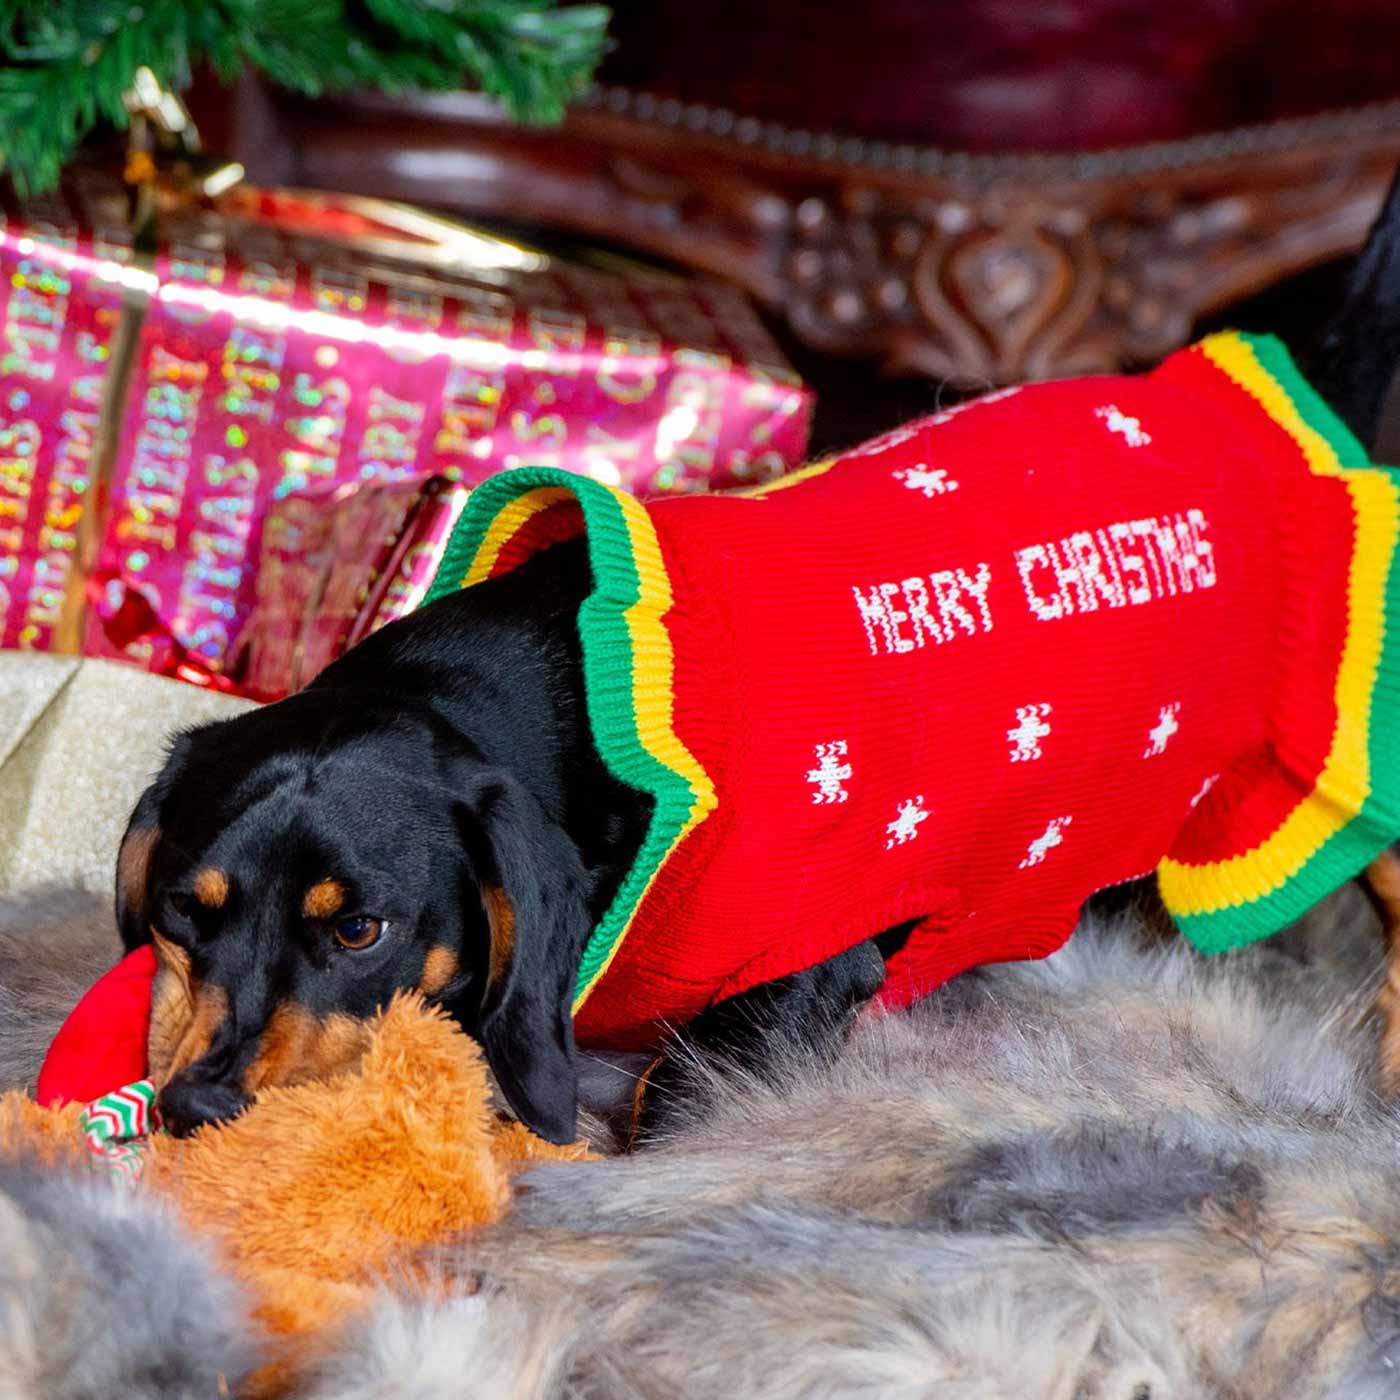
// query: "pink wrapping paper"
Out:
[271,365]
[60,305]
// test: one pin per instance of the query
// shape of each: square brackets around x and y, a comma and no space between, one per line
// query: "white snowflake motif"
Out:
[1029,731]
[830,772]
[905,826]
[1116,421]
[1163,730]
[932,481]
[1046,841]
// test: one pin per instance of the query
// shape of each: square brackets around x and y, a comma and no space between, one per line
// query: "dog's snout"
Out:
[189,1102]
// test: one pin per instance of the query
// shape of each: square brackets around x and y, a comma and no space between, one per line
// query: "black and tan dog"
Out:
[433,812]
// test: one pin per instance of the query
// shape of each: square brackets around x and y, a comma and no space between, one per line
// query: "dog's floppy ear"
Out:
[533,888]
[137,853]
[134,861]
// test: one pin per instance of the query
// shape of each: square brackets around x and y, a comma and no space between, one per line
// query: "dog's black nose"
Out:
[187,1103]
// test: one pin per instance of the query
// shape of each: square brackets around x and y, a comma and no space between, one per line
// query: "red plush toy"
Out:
[102,1044]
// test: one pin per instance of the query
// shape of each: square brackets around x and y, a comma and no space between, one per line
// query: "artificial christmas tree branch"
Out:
[66,65]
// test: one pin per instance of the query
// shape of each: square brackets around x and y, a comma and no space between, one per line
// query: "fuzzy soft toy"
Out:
[316,1191]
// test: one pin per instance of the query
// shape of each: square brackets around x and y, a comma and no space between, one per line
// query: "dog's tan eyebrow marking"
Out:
[211,888]
[323,899]
[501,917]
[439,968]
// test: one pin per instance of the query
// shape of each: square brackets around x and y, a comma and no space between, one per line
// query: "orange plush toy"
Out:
[319,1190]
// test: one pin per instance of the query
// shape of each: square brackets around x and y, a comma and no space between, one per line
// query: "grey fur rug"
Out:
[1122,1174]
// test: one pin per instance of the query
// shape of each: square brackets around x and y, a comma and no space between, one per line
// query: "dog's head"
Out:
[299,864]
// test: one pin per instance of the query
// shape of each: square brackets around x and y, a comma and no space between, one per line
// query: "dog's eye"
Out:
[359,933]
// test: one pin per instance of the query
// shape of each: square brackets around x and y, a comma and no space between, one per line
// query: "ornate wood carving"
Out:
[974,268]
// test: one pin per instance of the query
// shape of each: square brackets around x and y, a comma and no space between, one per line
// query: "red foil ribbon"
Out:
[131,625]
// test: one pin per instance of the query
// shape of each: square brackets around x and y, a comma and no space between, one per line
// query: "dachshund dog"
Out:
[433,812]
[400,824]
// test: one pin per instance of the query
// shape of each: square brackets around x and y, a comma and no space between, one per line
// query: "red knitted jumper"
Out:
[979,668]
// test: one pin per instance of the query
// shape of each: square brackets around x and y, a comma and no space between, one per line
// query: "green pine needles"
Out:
[65,64]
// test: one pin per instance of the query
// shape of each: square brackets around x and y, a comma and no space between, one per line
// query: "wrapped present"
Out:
[271,363]
[335,566]
[192,388]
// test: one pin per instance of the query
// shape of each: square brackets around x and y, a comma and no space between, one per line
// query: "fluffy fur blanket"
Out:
[1121,1174]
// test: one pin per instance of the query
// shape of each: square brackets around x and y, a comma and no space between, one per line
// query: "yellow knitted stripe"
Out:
[782,483]
[1344,783]
[653,699]
[506,525]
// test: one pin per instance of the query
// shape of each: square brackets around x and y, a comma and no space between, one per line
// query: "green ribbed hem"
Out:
[610,670]
[1350,849]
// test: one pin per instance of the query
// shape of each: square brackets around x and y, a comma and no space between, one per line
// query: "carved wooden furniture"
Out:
[812,164]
